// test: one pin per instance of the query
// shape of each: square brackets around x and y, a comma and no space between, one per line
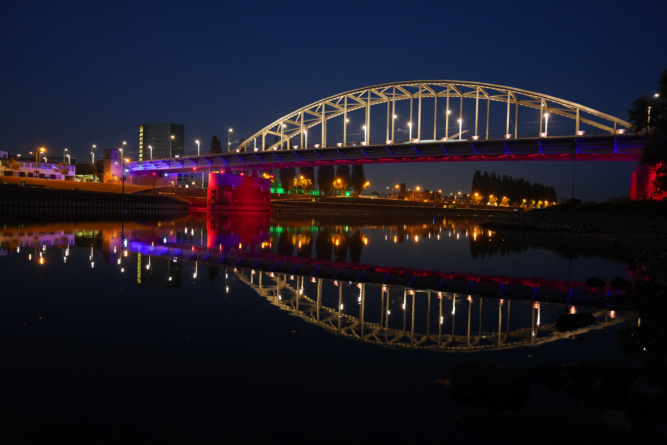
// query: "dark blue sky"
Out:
[76,73]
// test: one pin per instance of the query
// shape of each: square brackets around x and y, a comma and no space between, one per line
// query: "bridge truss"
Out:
[300,122]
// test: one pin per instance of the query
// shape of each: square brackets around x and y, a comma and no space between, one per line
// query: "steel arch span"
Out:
[299,122]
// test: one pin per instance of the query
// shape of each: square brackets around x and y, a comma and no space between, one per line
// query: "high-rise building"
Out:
[159,136]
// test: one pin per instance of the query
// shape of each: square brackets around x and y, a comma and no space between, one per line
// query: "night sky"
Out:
[73,74]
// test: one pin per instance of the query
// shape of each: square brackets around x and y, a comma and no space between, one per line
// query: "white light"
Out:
[92,265]
[122,269]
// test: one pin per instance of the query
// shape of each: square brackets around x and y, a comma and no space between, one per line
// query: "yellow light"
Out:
[417,188]
[41,261]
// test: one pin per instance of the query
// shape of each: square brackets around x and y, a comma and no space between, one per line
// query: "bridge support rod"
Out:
[507,127]
[368,117]
[410,115]
[576,128]
[387,135]
[476,110]
[541,116]
[488,110]
[435,118]
[301,143]
[393,113]
[460,117]
[324,127]
[345,123]
[419,114]
[447,116]
[363,305]
[412,327]
[516,119]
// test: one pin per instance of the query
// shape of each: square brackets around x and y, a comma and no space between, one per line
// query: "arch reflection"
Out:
[408,318]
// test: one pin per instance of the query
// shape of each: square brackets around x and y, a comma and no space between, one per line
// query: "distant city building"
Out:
[159,136]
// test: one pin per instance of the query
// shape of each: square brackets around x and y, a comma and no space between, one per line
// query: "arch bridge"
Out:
[300,122]
[593,136]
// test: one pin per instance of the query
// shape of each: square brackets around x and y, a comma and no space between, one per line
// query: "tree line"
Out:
[328,178]
[516,189]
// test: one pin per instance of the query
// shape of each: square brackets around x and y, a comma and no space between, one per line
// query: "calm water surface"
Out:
[153,330]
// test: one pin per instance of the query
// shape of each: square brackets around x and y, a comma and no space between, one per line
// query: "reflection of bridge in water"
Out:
[392,325]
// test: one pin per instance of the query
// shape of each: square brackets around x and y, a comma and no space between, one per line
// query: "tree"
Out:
[342,178]
[325,178]
[13,165]
[287,178]
[307,178]
[648,115]
[358,179]
[216,146]
[305,184]
[61,168]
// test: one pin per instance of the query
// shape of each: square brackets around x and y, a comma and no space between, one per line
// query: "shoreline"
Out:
[643,235]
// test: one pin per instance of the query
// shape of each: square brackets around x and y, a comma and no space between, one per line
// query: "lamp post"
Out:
[64,154]
[229,142]
[460,129]
[93,153]
[410,125]
[305,133]
[171,140]
[150,147]
[365,139]
[413,193]
[546,124]
[392,191]
[122,171]
[41,150]
[69,160]
[202,173]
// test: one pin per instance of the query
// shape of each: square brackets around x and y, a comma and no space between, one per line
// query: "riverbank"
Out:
[364,206]
[639,227]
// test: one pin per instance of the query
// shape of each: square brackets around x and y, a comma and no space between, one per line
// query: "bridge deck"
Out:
[626,148]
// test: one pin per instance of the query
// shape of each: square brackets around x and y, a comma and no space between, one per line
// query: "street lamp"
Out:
[197,141]
[410,125]
[460,129]
[413,193]
[41,150]
[229,143]
[306,134]
[150,147]
[365,138]
[171,140]
[69,160]
[64,154]
[546,124]
[93,153]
